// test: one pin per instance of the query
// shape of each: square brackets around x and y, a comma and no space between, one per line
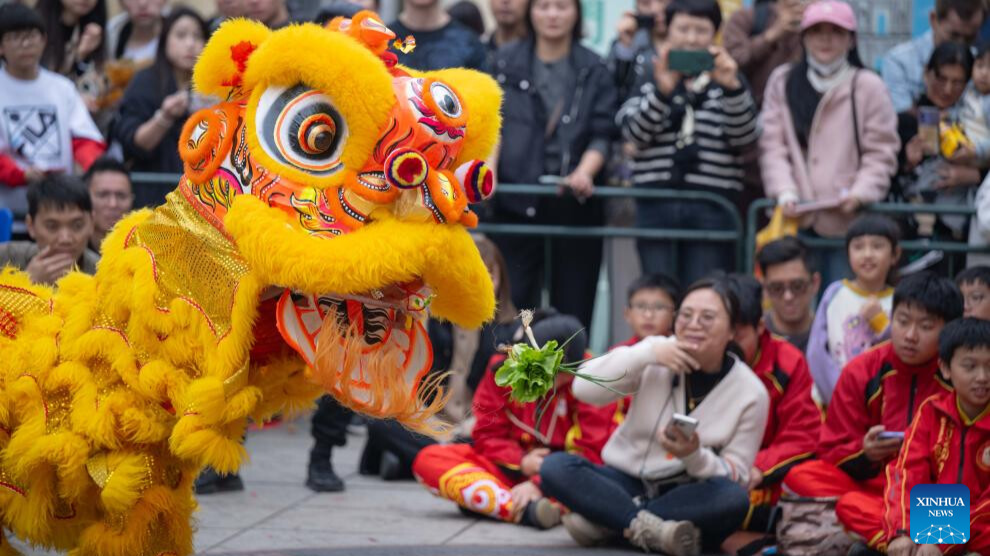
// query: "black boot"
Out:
[211,482]
[321,477]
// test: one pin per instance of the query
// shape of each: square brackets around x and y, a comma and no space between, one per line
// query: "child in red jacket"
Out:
[499,475]
[794,420]
[948,443]
[875,399]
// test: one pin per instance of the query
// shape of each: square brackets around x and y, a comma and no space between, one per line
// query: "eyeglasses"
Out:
[645,308]
[975,298]
[22,37]
[797,287]
[705,318]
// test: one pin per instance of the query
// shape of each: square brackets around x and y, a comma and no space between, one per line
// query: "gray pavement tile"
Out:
[495,533]
[430,550]
[206,538]
[246,508]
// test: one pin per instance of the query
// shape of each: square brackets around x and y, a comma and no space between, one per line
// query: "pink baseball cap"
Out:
[837,13]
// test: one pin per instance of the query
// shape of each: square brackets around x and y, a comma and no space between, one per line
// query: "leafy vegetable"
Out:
[530,370]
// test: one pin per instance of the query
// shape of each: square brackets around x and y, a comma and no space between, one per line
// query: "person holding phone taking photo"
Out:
[660,489]
[690,126]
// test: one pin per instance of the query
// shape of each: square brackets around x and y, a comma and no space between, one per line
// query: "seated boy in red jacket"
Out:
[875,399]
[499,475]
[794,422]
[948,443]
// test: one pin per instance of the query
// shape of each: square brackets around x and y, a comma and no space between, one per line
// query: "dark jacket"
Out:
[143,97]
[587,114]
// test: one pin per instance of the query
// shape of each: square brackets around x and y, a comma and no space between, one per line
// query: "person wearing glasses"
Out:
[45,127]
[663,487]
[974,283]
[794,420]
[651,301]
[791,284]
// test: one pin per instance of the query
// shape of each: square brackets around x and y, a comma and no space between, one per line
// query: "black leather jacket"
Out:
[588,113]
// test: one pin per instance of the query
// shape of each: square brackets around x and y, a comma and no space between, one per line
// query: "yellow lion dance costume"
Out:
[322,211]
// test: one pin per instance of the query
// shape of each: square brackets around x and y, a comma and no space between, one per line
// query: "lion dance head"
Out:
[344,181]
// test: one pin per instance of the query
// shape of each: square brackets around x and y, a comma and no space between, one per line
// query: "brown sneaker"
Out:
[542,514]
[653,534]
[584,532]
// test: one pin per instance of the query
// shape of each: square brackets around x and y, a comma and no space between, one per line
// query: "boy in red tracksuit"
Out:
[499,474]
[794,421]
[948,443]
[878,393]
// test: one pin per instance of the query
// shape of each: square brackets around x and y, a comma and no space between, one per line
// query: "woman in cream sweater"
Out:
[662,490]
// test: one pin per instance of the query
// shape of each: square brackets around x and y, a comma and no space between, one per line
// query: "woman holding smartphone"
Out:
[829,131]
[158,101]
[661,489]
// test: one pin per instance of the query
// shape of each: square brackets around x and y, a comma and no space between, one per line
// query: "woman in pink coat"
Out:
[829,131]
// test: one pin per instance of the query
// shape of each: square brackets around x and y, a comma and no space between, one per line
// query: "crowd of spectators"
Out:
[775,102]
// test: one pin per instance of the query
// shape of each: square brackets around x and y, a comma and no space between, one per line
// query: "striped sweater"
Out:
[693,138]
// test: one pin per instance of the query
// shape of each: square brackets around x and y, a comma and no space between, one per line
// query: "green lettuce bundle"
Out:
[529,370]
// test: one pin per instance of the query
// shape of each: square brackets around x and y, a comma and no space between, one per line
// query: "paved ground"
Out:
[278,516]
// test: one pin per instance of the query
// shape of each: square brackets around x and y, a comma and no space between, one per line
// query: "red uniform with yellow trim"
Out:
[875,388]
[943,446]
[792,427]
[479,477]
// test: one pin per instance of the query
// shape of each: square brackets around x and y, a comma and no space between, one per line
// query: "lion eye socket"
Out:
[446,100]
[301,127]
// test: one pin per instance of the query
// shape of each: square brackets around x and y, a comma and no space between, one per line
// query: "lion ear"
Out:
[220,68]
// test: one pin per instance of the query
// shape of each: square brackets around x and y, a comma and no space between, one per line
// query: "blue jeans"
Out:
[685,260]
[609,497]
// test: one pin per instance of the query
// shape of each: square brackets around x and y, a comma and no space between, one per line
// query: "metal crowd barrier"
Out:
[752,219]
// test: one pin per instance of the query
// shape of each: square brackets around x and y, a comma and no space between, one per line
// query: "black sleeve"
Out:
[139,104]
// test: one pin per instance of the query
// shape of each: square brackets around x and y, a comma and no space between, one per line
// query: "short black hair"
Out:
[656,281]
[548,324]
[708,9]
[784,250]
[467,14]
[105,164]
[18,17]
[951,54]
[965,9]
[963,333]
[749,292]
[974,275]
[982,49]
[718,283]
[936,295]
[874,225]
[58,191]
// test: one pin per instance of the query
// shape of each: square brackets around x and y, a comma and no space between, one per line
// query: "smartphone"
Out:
[928,120]
[888,435]
[690,62]
[645,21]
[687,425]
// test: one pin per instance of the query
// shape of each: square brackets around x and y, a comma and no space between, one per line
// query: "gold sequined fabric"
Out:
[193,261]
[15,304]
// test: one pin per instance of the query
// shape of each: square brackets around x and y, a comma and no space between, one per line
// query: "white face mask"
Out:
[825,76]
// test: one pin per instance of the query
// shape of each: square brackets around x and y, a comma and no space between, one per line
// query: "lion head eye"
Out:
[446,100]
[301,127]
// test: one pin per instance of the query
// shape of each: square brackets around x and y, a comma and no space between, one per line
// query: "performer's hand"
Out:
[877,449]
[48,266]
[928,550]
[531,462]
[32,174]
[522,495]
[901,546]
[755,477]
